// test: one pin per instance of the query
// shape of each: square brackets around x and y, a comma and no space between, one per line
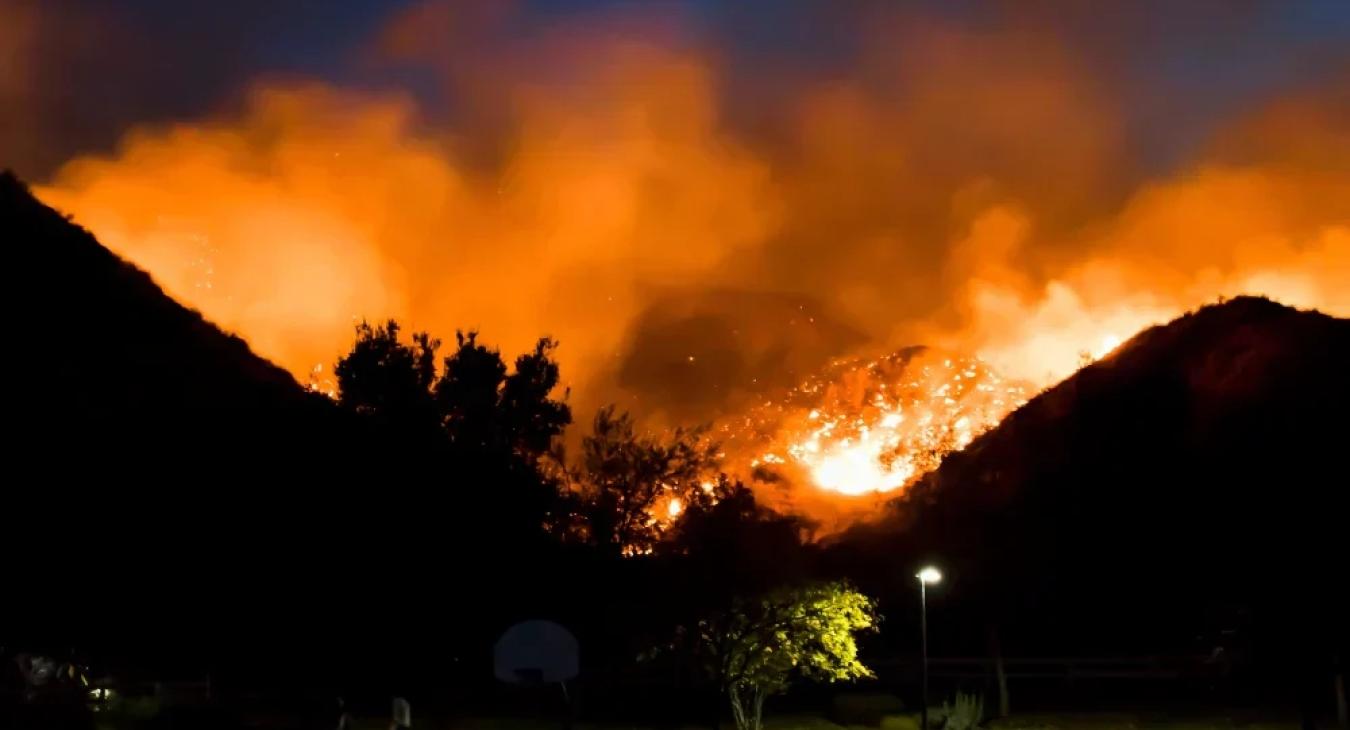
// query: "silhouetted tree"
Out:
[498,427]
[533,418]
[627,479]
[468,393]
[732,544]
[388,379]
[489,411]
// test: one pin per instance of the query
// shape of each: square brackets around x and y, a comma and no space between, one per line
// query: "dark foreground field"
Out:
[1104,721]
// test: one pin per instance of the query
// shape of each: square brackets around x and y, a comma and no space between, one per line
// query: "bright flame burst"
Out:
[318,382]
[869,427]
[1107,345]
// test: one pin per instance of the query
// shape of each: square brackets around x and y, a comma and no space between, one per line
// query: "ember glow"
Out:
[868,427]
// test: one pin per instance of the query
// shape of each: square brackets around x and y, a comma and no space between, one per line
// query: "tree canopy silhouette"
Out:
[730,544]
[628,478]
[389,379]
[495,426]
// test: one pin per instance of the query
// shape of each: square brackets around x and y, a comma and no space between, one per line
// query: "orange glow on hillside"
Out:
[968,190]
[866,428]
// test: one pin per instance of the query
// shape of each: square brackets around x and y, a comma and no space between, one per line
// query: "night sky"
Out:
[88,69]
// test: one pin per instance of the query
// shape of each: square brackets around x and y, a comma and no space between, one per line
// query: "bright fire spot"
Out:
[320,383]
[874,427]
[1108,344]
[857,468]
[674,508]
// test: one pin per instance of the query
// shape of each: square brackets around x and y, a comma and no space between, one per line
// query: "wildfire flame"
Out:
[874,426]
[319,382]
[973,189]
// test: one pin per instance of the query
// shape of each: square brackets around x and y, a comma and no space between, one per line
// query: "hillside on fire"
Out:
[1186,490]
[1133,478]
[1150,503]
[812,365]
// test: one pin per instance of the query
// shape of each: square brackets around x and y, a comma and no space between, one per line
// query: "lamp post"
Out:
[928,576]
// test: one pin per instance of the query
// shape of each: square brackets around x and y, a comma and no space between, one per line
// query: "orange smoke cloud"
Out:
[315,208]
[1274,222]
[970,190]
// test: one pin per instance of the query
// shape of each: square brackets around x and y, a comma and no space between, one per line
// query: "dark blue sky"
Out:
[1177,67]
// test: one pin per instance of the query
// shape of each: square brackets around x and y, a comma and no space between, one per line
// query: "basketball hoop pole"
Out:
[567,705]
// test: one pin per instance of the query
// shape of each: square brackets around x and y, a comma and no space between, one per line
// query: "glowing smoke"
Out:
[970,189]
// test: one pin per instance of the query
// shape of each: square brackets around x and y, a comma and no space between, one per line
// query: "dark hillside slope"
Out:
[1190,486]
[122,374]
[156,459]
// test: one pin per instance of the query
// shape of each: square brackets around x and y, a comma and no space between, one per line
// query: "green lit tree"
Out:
[760,646]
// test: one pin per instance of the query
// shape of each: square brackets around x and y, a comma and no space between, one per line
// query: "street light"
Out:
[928,576]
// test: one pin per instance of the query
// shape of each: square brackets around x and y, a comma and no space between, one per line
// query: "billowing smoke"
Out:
[695,227]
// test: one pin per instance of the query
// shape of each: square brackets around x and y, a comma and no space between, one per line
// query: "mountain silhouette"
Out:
[1187,490]
[170,489]
[159,462]
[123,356]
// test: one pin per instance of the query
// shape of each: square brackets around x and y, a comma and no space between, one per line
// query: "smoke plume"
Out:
[696,227]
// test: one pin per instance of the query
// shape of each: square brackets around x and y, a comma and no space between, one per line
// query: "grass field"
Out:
[141,715]
[903,722]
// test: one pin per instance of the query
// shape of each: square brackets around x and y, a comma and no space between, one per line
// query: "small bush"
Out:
[965,713]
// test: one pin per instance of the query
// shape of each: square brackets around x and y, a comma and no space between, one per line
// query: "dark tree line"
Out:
[629,492]
[494,427]
[632,514]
